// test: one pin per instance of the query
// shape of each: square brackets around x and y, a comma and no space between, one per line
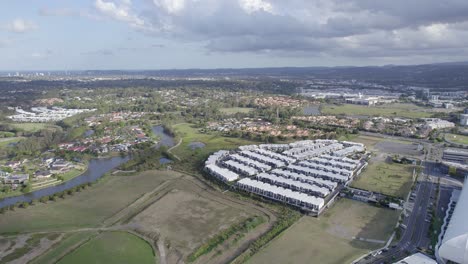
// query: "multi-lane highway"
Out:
[415,228]
[416,231]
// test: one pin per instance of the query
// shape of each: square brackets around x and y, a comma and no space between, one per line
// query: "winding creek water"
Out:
[96,169]
[164,138]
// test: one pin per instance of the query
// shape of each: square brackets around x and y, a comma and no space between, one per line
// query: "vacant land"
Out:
[30,127]
[388,178]
[398,147]
[67,244]
[87,208]
[389,110]
[187,217]
[368,141]
[112,247]
[179,212]
[212,141]
[457,139]
[23,248]
[235,110]
[335,237]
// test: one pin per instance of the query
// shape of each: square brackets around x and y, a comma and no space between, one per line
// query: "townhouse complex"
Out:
[305,174]
[44,114]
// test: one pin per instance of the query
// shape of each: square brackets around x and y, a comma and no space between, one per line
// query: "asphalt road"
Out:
[415,233]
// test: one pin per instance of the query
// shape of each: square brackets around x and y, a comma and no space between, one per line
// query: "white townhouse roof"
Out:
[317,166]
[454,246]
[333,163]
[262,158]
[274,146]
[275,155]
[248,147]
[326,141]
[290,174]
[301,143]
[300,185]
[340,159]
[303,148]
[318,173]
[223,173]
[248,162]
[348,150]
[241,167]
[318,152]
[216,156]
[316,201]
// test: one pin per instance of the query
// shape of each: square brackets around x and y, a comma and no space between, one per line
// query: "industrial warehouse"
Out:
[306,174]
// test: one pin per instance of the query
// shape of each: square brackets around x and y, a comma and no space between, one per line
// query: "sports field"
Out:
[389,110]
[457,139]
[112,247]
[235,110]
[388,178]
[334,237]
[87,208]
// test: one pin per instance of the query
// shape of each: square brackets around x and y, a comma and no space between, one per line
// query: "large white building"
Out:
[456,155]
[454,246]
[417,258]
[464,119]
[302,174]
[437,123]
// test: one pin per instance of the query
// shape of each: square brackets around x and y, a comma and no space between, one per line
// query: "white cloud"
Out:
[20,26]
[171,6]
[4,42]
[121,12]
[41,55]
[251,6]
[351,28]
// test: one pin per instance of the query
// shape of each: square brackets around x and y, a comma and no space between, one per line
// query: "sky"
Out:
[179,34]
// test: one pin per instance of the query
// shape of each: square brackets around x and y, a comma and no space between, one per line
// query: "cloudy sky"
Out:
[166,34]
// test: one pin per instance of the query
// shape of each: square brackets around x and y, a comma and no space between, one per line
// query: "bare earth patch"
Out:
[186,219]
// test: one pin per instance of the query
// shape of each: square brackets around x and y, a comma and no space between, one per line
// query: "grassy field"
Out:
[72,174]
[331,238]
[212,141]
[30,127]
[389,110]
[388,178]
[112,247]
[235,110]
[371,141]
[5,141]
[66,245]
[87,208]
[458,139]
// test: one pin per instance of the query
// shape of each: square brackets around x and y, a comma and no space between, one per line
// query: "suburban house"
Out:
[42,174]
[17,179]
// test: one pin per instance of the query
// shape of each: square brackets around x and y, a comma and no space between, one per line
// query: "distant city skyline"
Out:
[180,34]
